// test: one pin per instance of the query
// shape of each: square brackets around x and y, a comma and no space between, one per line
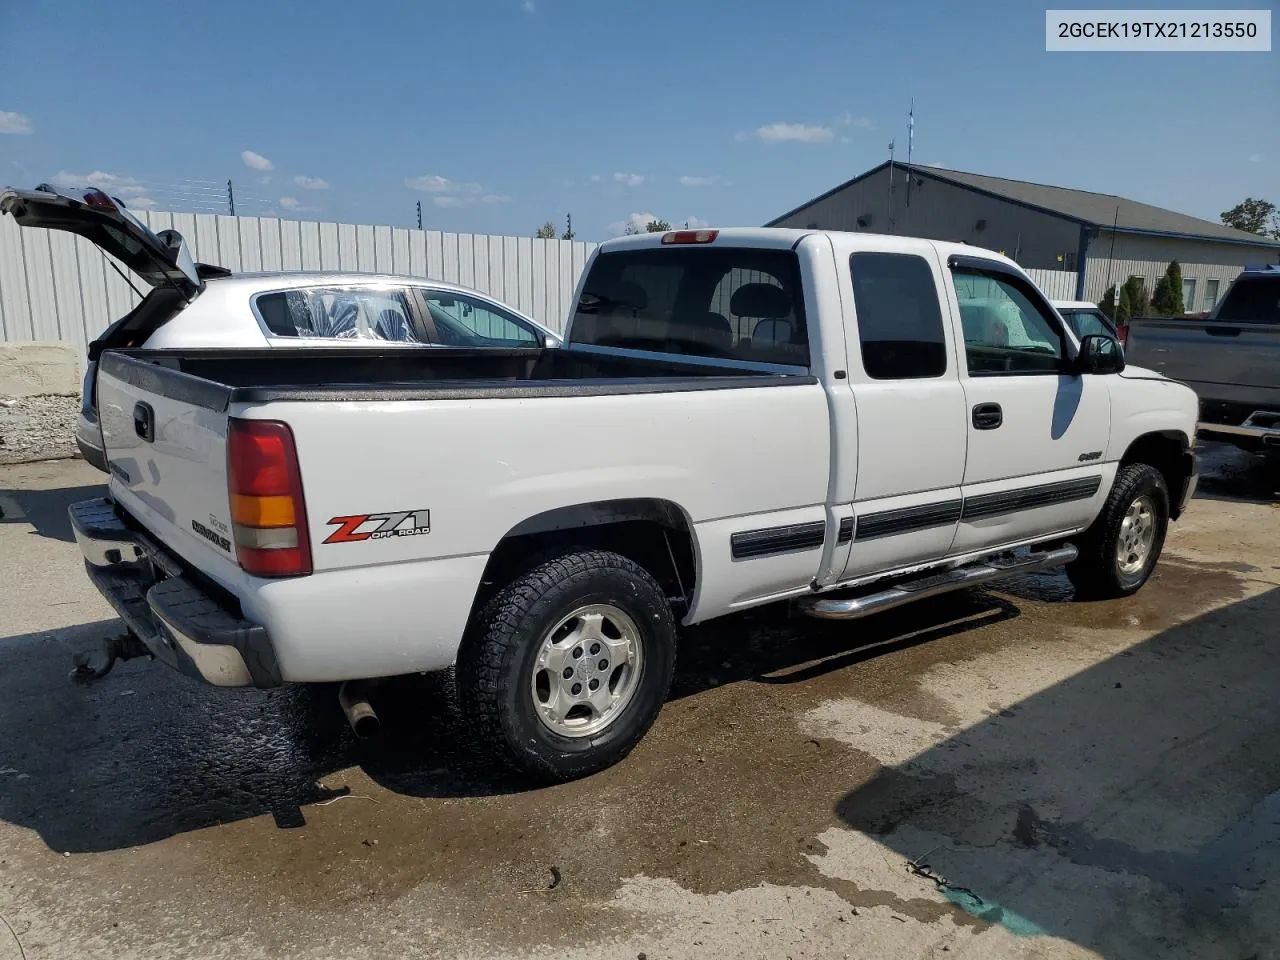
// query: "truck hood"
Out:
[1131,372]
[160,259]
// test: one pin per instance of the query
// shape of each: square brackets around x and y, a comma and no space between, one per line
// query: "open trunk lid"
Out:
[160,259]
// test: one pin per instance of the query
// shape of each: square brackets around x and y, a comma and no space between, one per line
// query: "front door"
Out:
[1037,431]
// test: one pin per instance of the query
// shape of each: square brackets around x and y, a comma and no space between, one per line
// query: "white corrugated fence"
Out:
[56,286]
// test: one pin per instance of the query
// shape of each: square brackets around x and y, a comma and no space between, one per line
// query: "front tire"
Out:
[565,669]
[1119,551]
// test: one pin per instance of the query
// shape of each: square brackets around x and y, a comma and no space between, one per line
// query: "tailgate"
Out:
[165,437]
[1206,354]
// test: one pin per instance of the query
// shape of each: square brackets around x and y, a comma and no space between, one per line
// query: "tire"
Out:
[503,674]
[1099,573]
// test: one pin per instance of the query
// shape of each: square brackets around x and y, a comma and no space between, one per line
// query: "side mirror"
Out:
[550,343]
[1100,354]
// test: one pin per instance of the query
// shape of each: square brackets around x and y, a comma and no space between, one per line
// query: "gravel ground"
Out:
[1003,773]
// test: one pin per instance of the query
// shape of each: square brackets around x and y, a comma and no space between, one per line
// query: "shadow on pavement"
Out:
[1228,473]
[146,753]
[1133,808]
[46,510]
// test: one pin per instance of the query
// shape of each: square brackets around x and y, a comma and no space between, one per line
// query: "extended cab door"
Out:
[909,402]
[1037,430]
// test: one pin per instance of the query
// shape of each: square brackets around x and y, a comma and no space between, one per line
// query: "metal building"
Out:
[1102,238]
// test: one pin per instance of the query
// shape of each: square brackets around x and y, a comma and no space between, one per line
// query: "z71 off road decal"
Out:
[378,526]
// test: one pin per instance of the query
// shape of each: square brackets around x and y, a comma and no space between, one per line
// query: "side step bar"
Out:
[844,607]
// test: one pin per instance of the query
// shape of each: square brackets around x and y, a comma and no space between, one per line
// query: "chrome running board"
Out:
[844,607]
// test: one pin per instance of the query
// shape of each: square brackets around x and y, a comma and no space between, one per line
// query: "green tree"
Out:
[1174,275]
[657,226]
[1162,298]
[1108,302]
[1139,299]
[1124,309]
[546,232]
[1254,216]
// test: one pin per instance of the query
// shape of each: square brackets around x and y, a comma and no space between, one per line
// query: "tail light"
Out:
[99,200]
[268,516]
[1122,331]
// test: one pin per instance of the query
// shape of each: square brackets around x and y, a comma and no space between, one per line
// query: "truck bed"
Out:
[216,379]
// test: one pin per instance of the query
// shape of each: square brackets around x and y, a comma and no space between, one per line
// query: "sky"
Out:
[499,115]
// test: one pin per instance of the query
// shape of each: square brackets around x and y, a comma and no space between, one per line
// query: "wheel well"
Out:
[655,534]
[1169,452]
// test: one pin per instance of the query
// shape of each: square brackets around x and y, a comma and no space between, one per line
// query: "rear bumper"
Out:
[182,624]
[1260,429]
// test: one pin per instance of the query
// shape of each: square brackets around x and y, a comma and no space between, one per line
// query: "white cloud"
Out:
[131,191]
[697,223]
[495,198]
[256,161]
[11,122]
[796,132]
[1255,158]
[528,6]
[294,206]
[637,221]
[311,183]
[700,181]
[860,123]
[430,183]
[628,179]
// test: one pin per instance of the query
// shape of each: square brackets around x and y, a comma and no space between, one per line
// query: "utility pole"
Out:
[231,199]
[568,219]
[419,214]
[911,135]
[891,186]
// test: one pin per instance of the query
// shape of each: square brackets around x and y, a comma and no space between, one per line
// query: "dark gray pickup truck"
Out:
[1231,360]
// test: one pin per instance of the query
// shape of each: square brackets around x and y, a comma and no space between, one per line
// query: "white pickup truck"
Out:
[845,421]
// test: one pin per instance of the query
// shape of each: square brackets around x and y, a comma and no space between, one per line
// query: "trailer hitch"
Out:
[88,667]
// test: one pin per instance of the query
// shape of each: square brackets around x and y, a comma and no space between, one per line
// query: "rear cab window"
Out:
[1252,300]
[735,303]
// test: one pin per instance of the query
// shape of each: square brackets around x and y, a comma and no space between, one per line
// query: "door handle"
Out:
[987,416]
[144,421]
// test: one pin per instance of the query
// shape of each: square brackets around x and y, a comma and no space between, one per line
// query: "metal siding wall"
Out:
[55,286]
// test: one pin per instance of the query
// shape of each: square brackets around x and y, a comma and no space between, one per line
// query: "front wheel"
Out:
[1118,553]
[566,668]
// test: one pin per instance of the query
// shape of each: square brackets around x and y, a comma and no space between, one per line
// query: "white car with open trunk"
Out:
[845,421]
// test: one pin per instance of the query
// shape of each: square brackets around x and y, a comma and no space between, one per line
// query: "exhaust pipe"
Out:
[352,697]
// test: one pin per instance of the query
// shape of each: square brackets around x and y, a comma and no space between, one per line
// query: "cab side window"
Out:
[899,320]
[1006,331]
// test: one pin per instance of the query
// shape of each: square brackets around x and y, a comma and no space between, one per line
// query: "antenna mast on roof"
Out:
[911,133]
[891,186]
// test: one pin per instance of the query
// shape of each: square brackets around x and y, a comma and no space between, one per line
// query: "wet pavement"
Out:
[1001,773]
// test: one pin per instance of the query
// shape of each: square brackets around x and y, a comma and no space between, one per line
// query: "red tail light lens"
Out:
[1122,332]
[99,200]
[268,515]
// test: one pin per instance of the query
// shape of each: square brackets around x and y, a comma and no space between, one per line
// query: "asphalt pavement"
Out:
[1000,773]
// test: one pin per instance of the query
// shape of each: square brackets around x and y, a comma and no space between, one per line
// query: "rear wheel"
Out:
[567,666]
[1119,551]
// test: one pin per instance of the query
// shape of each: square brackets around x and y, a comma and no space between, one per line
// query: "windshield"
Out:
[1252,300]
[731,302]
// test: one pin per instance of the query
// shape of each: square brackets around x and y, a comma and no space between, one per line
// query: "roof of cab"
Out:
[787,238]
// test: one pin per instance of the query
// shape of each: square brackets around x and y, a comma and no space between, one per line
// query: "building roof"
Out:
[1100,210]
